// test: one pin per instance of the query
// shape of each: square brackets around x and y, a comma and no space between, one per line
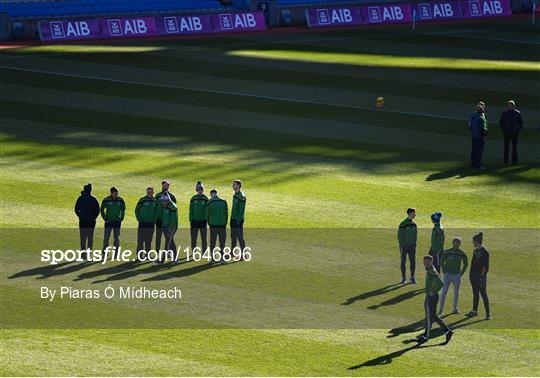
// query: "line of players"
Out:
[159,213]
[451,262]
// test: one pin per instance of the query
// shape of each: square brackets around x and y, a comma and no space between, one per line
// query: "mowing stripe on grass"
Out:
[228,93]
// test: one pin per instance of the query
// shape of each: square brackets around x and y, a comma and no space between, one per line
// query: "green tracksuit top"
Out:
[238,206]
[197,208]
[453,261]
[217,212]
[434,282]
[169,215]
[113,209]
[407,233]
[158,198]
[147,209]
[437,238]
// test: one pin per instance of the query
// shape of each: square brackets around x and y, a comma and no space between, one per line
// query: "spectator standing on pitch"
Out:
[478,126]
[165,184]
[113,209]
[434,283]
[87,210]
[478,275]
[237,216]
[407,236]
[197,217]
[146,213]
[511,124]
[437,239]
[217,213]
[169,219]
[454,263]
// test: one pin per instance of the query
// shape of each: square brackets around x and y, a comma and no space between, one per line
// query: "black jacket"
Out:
[87,207]
[479,261]
[511,122]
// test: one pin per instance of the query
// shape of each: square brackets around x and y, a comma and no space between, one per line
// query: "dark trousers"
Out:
[408,250]
[237,234]
[159,233]
[86,231]
[477,151]
[215,233]
[430,306]
[114,227]
[436,263]
[196,228]
[507,139]
[145,233]
[170,245]
[479,289]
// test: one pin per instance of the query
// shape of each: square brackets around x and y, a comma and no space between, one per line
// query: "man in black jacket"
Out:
[87,209]
[478,275]
[511,124]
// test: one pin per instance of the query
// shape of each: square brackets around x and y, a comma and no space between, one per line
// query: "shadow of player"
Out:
[47,271]
[373,293]
[389,358]
[187,271]
[398,299]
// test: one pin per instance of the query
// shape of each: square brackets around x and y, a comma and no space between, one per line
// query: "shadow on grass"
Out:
[129,273]
[373,293]
[504,172]
[186,272]
[397,299]
[109,270]
[416,326]
[44,272]
[419,325]
[389,358]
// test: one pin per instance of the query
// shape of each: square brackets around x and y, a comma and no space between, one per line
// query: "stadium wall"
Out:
[274,13]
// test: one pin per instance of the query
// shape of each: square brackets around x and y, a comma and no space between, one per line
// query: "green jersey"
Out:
[113,209]
[146,209]
[437,238]
[407,233]
[454,261]
[169,215]
[434,282]
[239,206]
[217,212]
[158,198]
[197,208]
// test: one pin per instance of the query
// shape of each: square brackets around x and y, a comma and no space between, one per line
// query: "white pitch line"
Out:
[221,92]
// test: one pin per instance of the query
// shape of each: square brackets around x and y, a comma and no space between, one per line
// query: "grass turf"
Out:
[300,130]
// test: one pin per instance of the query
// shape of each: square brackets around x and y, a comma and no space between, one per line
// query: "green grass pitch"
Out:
[328,178]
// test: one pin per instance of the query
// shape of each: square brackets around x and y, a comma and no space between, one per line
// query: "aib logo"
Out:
[424,11]
[474,8]
[323,17]
[374,14]
[226,21]
[171,25]
[114,27]
[57,29]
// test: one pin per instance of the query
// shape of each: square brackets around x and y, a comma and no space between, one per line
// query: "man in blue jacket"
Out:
[87,210]
[478,126]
